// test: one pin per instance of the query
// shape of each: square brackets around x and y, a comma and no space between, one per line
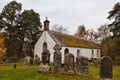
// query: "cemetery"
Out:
[82,69]
[7,72]
[51,62]
[30,50]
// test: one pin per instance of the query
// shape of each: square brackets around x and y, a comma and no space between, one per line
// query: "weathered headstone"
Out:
[28,61]
[45,65]
[82,65]
[69,63]
[46,57]
[57,58]
[106,68]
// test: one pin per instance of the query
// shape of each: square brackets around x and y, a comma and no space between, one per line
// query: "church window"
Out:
[78,52]
[44,45]
[92,53]
[97,52]
[66,51]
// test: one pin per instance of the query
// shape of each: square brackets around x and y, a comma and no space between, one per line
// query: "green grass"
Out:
[116,72]
[30,73]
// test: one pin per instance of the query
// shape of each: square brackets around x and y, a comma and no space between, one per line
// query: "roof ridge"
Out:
[70,35]
[64,34]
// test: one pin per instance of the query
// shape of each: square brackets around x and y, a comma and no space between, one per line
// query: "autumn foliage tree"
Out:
[81,32]
[2,48]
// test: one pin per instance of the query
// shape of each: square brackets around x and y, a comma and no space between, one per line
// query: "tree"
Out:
[103,35]
[19,27]
[103,32]
[111,46]
[29,28]
[59,28]
[1,38]
[8,21]
[29,25]
[82,32]
[2,48]
[115,15]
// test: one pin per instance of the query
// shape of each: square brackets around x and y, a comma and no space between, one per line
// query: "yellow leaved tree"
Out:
[2,48]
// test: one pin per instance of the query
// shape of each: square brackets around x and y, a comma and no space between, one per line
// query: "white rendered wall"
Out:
[45,37]
[86,52]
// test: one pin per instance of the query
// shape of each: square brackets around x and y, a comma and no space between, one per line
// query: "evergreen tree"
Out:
[29,28]
[115,14]
[8,21]
[19,27]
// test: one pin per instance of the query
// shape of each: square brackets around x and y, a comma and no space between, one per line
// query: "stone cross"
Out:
[57,58]
[106,67]
[69,63]
[81,65]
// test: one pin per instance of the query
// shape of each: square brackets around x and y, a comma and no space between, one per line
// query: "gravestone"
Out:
[82,65]
[106,68]
[69,64]
[45,65]
[28,61]
[57,58]
[46,57]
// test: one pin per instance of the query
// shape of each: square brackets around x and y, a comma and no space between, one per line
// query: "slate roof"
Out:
[70,40]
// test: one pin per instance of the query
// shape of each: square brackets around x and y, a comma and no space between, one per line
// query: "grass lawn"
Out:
[30,73]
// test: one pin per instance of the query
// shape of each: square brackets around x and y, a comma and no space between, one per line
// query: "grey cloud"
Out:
[70,13]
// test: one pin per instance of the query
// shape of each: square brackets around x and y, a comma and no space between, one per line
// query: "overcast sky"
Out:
[70,13]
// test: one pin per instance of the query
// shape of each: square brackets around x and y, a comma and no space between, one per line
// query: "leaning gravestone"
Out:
[69,64]
[57,58]
[106,68]
[82,65]
[45,65]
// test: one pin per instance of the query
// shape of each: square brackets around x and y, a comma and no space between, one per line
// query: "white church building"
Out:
[69,43]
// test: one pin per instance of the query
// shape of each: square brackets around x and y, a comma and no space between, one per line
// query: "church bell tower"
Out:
[46,24]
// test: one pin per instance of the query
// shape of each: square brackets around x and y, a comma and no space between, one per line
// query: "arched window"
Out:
[66,51]
[44,45]
[36,55]
[92,53]
[78,52]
